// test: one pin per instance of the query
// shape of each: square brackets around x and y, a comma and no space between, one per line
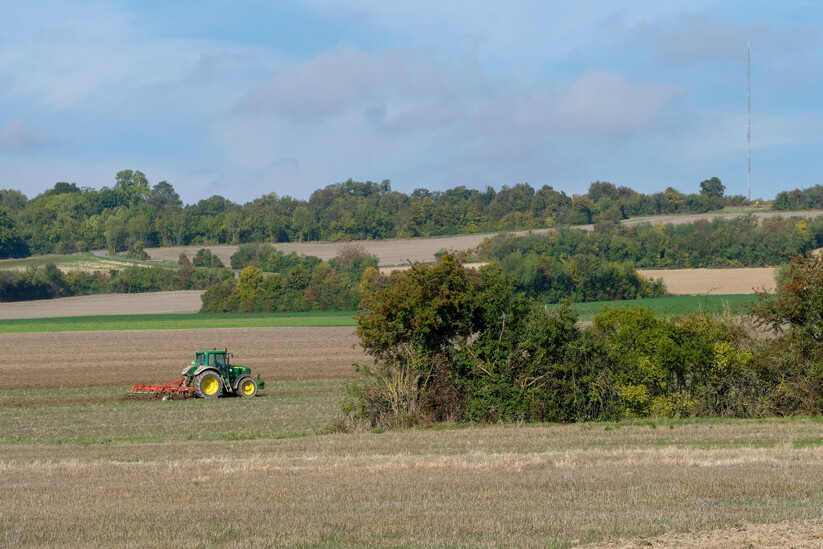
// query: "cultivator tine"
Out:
[166,392]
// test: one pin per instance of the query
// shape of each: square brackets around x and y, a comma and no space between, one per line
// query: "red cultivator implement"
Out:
[166,392]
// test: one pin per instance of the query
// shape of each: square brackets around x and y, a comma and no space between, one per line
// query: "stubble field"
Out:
[81,466]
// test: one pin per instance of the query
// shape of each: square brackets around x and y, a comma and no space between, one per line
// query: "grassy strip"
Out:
[103,415]
[178,322]
[668,307]
[86,261]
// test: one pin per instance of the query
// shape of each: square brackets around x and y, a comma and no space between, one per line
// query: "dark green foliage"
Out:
[12,243]
[425,307]
[541,272]
[711,191]
[137,251]
[703,244]
[49,282]
[456,345]
[272,281]
[69,218]
[798,303]
[204,258]
[806,199]
[459,345]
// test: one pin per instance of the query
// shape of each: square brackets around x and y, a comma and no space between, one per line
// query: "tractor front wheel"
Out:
[209,385]
[247,387]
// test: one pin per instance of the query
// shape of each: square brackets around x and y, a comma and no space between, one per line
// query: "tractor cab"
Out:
[216,359]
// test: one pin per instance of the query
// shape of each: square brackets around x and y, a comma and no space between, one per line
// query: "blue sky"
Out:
[248,97]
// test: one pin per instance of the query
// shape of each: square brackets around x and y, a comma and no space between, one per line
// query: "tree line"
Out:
[580,265]
[135,214]
[49,282]
[455,345]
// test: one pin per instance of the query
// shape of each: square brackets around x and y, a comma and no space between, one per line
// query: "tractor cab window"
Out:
[201,360]
[219,360]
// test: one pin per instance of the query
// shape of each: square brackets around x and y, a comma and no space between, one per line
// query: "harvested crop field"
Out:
[123,358]
[184,301]
[695,485]
[71,448]
[390,252]
[714,281]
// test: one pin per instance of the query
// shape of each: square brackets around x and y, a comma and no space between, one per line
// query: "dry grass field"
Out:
[80,466]
[550,486]
[714,281]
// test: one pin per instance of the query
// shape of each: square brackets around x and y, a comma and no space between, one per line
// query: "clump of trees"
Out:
[799,199]
[738,242]
[273,281]
[455,345]
[48,281]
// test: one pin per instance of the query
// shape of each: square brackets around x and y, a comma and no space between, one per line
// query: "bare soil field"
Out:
[714,281]
[184,301]
[124,358]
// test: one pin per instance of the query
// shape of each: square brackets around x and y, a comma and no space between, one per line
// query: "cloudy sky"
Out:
[245,97]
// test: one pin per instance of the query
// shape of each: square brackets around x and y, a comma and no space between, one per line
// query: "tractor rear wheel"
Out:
[209,385]
[246,387]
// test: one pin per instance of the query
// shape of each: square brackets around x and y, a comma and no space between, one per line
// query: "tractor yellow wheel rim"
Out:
[247,387]
[210,385]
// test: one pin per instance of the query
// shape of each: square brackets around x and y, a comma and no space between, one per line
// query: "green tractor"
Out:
[212,374]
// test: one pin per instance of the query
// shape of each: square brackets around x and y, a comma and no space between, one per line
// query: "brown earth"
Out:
[714,281]
[115,358]
[184,301]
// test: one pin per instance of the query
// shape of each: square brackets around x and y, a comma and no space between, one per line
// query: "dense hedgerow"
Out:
[458,345]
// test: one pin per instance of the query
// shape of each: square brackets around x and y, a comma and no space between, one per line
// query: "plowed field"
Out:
[155,303]
[115,358]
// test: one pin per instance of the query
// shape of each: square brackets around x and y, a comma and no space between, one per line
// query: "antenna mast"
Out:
[749,113]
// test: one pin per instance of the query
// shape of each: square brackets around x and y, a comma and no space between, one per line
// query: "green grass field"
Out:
[669,307]
[179,322]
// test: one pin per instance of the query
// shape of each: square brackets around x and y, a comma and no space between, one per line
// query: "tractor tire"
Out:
[209,385]
[246,387]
